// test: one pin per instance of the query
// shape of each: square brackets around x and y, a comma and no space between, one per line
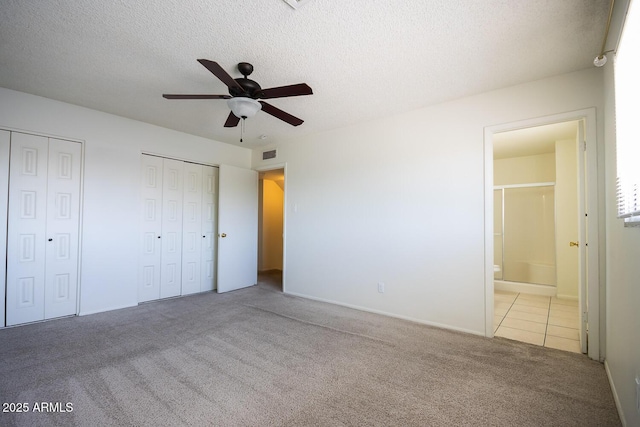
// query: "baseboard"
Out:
[385,313]
[525,288]
[616,399]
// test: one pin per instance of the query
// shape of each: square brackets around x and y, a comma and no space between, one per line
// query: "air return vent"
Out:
[266,155]
[295,3]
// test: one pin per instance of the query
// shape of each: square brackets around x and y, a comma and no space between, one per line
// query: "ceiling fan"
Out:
[244,94]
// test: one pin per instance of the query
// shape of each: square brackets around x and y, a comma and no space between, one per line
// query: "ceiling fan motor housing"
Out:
[250,88]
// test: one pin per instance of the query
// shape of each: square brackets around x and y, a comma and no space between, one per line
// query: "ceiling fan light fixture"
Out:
[243,107]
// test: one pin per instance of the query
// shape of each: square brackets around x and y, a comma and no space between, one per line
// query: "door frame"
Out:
[592,227]
[271,167]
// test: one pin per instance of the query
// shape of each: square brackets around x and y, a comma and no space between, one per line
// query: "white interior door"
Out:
[208,228]
[151,227]
[192,229]
[63,220]
[26,228]
[5,140]
[172,192]
[582,239]
[237,228]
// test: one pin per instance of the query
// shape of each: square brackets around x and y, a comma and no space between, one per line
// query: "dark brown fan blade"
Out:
[195,96]
[220,73]
[284,91]
[278,113]
[232,121]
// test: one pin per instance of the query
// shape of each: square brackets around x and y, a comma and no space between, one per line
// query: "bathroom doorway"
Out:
[535,206]
[535,182]
[271,190]
[538,280]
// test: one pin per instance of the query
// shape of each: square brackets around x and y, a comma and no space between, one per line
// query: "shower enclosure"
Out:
[524,233]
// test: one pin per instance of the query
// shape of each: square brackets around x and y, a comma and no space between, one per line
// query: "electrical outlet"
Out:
[381,287]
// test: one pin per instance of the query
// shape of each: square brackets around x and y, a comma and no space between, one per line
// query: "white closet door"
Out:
[171,269]
[63,219]
[26,228]
[5,140]
[238,228]
[209,224]
[151,226]
[191,229]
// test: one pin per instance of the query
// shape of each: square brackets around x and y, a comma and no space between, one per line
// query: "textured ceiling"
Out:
[363,59]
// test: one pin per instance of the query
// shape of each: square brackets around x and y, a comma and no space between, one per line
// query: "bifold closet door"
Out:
[198,232]
[209,227]
[192,237]
[199,229]
[161,228]
[26,238]
[161,224]
[171,259]
[151,227]
[43,226]
[63,219]
[178,217]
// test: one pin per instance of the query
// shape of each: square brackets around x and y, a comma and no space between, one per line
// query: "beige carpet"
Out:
[256,357]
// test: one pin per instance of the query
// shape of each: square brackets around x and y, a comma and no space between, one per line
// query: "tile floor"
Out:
[537,319]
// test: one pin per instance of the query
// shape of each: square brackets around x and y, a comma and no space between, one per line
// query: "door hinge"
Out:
[585,317]
[584,145]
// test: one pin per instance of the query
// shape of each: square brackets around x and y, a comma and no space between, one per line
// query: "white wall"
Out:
[623,282]
[400,200]
[525,169]
[113,146]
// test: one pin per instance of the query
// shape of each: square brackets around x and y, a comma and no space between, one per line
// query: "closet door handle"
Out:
[158,237]
[51,240]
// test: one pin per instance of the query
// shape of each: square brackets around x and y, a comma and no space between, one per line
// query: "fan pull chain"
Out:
[241,128]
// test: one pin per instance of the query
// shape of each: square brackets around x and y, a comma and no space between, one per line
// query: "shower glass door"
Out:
[529,234]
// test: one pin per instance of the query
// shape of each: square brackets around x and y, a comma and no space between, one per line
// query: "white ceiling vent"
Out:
[296,3]
[266,155]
